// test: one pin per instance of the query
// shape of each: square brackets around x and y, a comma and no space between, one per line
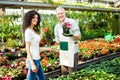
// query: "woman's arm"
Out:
[42,32]
[34,68]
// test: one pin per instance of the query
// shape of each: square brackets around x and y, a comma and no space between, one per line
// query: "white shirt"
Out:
[34,39]
[58,30]
[74,29]
[67,55]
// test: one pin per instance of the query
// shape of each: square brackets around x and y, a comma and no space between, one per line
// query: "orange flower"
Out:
[23,63]
[46,58]
[104,50]
[79,44]
[45,61]
[46,29]
[57,55]
[42,55]
[115,48]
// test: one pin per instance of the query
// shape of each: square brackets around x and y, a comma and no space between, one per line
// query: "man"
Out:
[67,33]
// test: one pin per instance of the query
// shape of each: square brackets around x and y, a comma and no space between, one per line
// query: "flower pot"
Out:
[13,49]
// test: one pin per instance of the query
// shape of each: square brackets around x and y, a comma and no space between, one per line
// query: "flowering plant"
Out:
[3,60]
[66,29]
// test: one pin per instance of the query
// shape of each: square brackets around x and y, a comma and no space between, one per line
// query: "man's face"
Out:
[60,15]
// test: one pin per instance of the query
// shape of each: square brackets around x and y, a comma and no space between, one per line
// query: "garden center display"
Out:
[100,40]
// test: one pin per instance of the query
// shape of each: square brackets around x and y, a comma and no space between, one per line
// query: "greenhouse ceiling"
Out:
[23,3]
[114,3]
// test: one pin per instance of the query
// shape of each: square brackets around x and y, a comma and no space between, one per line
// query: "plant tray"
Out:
[57,72]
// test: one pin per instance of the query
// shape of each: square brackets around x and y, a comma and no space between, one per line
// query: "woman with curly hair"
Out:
[31,22]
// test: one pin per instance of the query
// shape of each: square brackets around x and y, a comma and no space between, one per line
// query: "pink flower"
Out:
[1,53]
[15,64]
[12,65]
[21,59]
[6,78]
[68,25]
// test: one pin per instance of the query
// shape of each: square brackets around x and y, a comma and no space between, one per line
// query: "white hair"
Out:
[59,8]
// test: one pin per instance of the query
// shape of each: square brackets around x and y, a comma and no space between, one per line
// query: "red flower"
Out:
[25,71]
[6,78]
[68,25]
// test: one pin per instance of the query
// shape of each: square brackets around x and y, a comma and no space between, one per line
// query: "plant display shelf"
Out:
[37,5]
[57,72]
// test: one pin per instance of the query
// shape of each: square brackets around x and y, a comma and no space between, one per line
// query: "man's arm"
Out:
[56,35]
[76,31]
[76,37]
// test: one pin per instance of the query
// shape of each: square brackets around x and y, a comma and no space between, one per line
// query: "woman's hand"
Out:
[34,68]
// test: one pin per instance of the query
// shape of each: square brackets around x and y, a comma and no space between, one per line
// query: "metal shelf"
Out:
[37,5]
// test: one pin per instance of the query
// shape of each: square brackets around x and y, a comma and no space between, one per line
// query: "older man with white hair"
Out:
[67,33]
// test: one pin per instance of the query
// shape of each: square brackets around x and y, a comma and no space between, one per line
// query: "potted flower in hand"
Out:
[66,29]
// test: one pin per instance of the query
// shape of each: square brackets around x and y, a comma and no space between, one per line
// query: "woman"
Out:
[31,22]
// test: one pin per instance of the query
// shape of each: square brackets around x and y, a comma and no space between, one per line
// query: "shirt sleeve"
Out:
[56,34]
[28,36]
[75,28]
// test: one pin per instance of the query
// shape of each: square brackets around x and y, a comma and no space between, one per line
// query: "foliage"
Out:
[92,25]
[115,23]
[12,65]
[49,58]
[90,49]
[7,71]
[3,60]
[49,21]
[106,70]
[9,27]
[13,43]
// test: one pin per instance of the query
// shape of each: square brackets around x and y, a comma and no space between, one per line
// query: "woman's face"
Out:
[34,20]
[60,15]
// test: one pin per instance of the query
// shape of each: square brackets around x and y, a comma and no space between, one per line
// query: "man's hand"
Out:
[76,37]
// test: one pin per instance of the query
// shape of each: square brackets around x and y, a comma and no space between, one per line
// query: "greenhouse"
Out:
[98,46]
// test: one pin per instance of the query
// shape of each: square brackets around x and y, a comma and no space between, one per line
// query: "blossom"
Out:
[46,29]
[67,25]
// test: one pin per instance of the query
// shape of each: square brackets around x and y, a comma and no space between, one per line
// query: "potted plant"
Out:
[12,44]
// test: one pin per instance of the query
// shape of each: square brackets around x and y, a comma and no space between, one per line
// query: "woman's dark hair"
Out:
[27,20]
